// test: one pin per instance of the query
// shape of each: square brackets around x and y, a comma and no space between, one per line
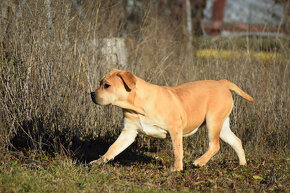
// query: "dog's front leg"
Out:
[177,149]
[125,139]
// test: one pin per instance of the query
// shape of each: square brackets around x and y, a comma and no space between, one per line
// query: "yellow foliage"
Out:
[228,54]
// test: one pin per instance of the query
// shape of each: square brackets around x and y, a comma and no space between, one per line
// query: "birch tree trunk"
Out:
[189,23]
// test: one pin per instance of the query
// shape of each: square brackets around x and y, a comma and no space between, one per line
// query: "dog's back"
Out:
[208,96]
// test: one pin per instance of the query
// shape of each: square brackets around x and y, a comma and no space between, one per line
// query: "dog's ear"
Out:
[128,79]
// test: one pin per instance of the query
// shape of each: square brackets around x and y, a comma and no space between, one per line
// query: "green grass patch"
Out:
[62,174]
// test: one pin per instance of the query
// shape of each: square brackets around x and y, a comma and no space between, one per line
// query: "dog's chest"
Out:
[148,128]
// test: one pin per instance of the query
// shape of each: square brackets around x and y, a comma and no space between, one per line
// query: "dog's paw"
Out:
[98,162]
[198,163]
[243,163]
[175,169]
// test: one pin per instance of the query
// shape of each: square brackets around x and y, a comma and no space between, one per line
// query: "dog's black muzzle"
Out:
[93,95]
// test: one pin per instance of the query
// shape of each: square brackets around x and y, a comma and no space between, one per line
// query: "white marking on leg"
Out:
[229,137]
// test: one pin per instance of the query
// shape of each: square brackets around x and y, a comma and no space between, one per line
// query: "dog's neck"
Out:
[134,103]
[141,96]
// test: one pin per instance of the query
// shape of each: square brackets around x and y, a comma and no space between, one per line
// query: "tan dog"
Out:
[157,110]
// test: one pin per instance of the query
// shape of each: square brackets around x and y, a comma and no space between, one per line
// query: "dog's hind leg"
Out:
[214,127]
[229,137]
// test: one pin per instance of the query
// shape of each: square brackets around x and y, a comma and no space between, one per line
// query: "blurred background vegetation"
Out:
[52,56]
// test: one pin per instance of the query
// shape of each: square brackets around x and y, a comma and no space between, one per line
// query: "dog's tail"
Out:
[237,90]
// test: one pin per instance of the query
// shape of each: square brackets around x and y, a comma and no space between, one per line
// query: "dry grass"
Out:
[46,75]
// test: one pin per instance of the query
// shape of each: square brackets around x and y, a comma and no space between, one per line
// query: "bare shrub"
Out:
[47,73]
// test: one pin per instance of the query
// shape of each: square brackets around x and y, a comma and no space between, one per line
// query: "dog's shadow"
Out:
[89,150]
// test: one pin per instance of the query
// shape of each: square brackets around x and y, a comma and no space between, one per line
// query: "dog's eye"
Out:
[106,85]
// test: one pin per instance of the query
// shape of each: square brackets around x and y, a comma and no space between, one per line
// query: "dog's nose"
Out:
[93,95]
